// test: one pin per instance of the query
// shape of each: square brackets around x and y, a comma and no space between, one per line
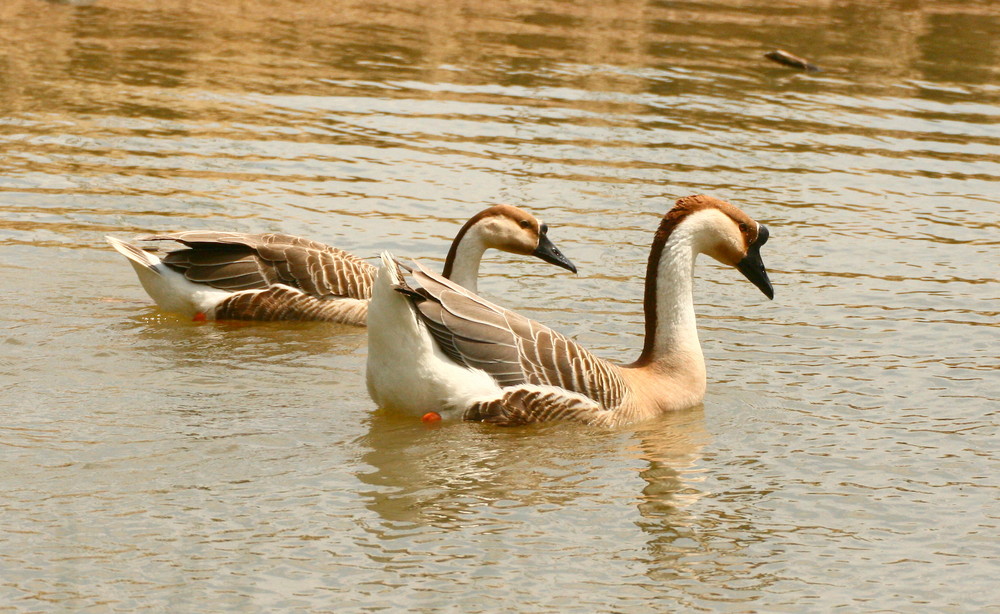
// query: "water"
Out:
[845,456]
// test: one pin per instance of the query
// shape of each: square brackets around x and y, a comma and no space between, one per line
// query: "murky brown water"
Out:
[846,454]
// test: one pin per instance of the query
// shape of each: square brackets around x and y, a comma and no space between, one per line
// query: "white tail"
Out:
[169,288]
[135,254]
[392,267]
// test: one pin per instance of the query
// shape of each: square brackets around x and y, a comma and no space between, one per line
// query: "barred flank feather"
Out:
[529,404]
[284,303]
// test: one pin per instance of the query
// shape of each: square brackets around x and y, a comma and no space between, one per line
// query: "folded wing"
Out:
[235,261]
[512,348]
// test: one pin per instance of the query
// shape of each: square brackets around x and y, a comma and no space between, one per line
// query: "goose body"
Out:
[436,346]
[235,276]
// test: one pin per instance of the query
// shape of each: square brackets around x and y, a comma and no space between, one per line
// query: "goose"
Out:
[436,347]
[235,276]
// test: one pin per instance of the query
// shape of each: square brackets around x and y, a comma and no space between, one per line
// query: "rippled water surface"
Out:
[845,457]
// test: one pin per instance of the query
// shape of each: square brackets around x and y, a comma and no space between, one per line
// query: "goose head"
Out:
[725,233]
[510,229]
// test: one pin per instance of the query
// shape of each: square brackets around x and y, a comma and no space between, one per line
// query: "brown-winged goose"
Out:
[234,276]
[435,346]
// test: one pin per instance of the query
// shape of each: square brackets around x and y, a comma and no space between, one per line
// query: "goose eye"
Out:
[525,223]
[743,227]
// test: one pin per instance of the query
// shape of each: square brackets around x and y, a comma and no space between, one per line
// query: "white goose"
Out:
[435,346]
[234,276]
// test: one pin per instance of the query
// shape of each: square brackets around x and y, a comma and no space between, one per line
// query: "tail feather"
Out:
[171,290]
[397,278]
[392,267]
[396,271]
[135,254]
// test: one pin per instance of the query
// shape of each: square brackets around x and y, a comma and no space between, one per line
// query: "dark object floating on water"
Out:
[783,57]
[72,2]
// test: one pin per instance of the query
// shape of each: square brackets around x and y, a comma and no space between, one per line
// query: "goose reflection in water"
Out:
[452,475]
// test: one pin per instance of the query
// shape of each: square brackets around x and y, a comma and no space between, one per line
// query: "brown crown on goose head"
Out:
[507,228]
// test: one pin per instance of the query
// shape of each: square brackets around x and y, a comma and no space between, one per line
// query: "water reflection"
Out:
[671,445]
[540,46]
[444,474]
[175,339]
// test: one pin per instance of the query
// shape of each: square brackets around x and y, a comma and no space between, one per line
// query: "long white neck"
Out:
[465,257]
[671,346]
[675,339]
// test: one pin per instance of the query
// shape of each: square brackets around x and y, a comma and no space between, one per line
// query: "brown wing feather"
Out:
[232,268]
[513,349]
[236,261]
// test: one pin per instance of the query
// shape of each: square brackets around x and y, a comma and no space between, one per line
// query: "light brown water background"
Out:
[846,455]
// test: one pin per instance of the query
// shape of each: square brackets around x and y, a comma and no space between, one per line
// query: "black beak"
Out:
[753,267]
[548,252]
